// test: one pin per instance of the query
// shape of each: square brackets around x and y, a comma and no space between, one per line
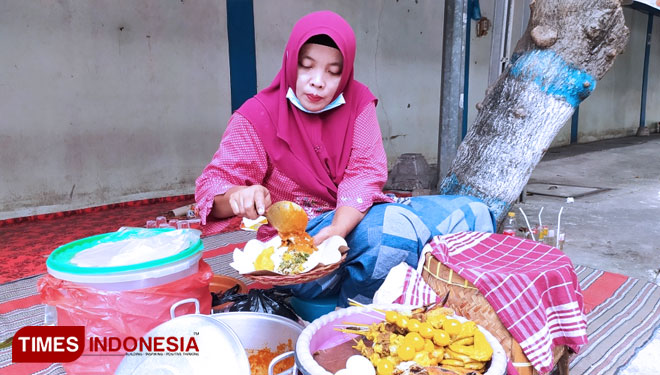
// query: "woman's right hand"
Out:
[248,201]
[245,201]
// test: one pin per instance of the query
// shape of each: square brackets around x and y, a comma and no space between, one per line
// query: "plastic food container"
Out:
[116,289]
[124,277]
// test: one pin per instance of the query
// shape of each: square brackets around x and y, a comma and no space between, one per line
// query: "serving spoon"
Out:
[287,218]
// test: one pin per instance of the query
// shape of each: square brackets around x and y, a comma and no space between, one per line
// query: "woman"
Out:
[312,137]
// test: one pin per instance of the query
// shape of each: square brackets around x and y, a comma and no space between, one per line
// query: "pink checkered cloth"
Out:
[532,287]
[416,292]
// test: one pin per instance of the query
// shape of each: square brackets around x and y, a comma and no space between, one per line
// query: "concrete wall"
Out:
[613,108]
[107,101]
[110,101]
[399,56]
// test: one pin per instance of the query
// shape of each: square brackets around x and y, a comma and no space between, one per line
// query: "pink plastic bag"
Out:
[120,313]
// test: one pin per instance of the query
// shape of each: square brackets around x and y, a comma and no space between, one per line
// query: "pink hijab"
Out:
[290,135]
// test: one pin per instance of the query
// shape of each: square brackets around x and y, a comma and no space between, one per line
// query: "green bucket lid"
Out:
[59,261]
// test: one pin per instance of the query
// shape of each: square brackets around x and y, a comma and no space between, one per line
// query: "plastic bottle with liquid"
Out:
[510,225]
[543,233]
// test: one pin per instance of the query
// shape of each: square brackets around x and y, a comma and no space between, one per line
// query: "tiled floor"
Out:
[616,230]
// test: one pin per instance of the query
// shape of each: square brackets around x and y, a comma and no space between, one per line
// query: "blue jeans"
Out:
[391,233]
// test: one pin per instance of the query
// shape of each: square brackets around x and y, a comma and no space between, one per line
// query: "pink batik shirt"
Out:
[242,160]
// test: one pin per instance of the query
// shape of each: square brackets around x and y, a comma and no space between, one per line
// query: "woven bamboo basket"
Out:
[317,272]
[468,302]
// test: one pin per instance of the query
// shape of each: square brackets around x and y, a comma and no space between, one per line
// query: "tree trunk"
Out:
[568,46]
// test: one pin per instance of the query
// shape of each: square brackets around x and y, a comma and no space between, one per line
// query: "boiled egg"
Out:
[357,365]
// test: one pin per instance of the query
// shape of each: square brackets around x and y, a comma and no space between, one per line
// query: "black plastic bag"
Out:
[270,301]
[226,296]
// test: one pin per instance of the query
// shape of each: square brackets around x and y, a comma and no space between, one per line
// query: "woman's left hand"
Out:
[327,232]
[346,218]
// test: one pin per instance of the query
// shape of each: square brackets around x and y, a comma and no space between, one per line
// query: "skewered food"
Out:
[428,337]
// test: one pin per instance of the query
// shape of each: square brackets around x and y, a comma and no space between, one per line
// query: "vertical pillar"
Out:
[498,43]
[643,130]
[242,57]
[451,90]
[466,75]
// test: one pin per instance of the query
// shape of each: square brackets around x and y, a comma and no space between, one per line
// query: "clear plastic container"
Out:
[138,279]
[123,277]
[510,226]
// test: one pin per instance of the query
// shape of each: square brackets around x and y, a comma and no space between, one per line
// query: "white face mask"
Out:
[294,100]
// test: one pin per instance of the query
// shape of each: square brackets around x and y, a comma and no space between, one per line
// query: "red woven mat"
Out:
[27,242]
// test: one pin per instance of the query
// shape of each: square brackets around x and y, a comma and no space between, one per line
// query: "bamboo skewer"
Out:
[371,316]
[348,327]
[354,324]
[353,332]
[352,302]
[355,303]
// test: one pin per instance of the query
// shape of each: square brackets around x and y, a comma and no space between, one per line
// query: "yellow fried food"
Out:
[402,321]
[439,312]
[452,326]
[441,338]
[396,339]
[263,261]
[467,329]
[413,325]
[482,349]
[385,366]
[438,353]
[456,345]
[452,354]
[406,352]
[391,316]
[464,341]
[452,362]
[475,365]
[436,320]
[415,340]
[463,349]
[426,330]
[428,346]
[422,358]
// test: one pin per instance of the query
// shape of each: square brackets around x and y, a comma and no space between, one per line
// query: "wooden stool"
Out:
[466,300]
